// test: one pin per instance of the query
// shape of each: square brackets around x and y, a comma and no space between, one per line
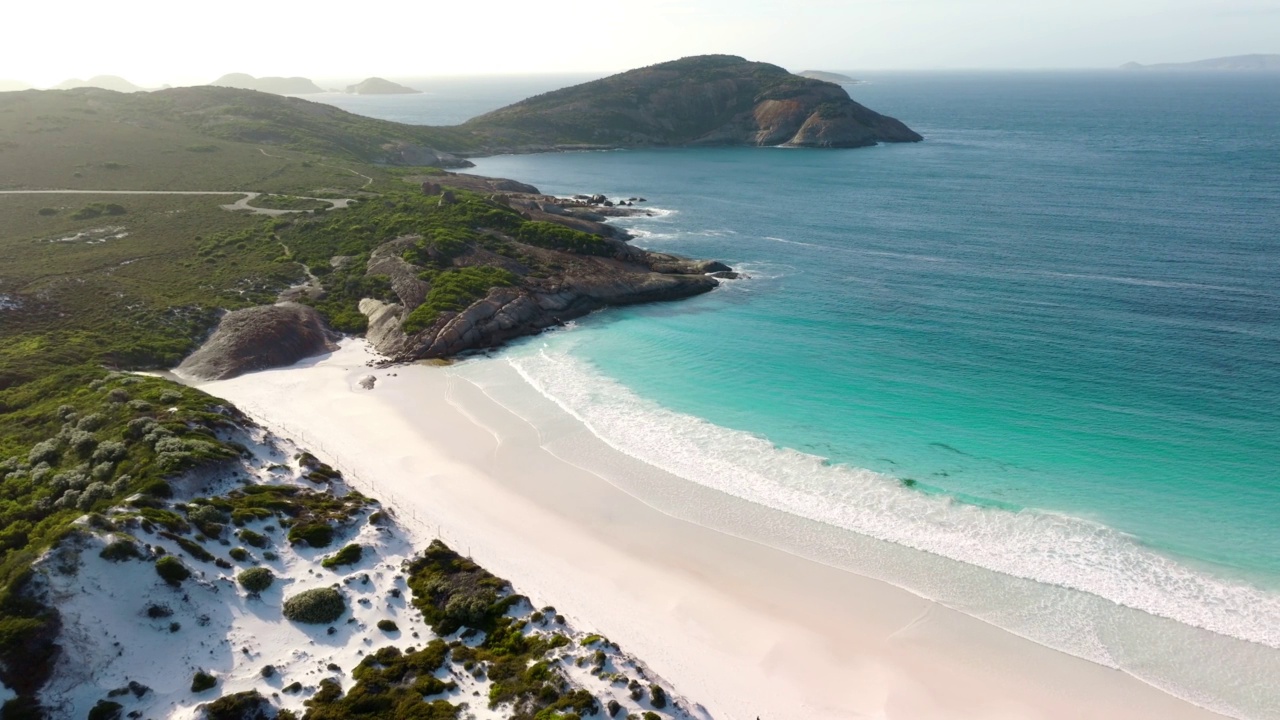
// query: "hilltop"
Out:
[1235,63]
[13,85]
[274,85]
[379,86]
[703,100]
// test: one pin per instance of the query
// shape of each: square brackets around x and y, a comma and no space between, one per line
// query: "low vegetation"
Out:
[256,580]
[318,606]
[348,555]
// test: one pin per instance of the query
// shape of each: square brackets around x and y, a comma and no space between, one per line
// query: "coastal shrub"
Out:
[256,580]
[247,705]
[317,535]
[389,684]
[202,681]
[106,710]
[452,591]
[190,547]
[239,554]
[208,520]
[91,422]
[98,209]
[172,570]
[657,696]
[45,451]
[388,626]
[120,550]
[348,555]
[558,237]
[454,290]
[649,715]
[315,607]
[252,538]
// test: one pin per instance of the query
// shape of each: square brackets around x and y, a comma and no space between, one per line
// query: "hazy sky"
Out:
[175,41]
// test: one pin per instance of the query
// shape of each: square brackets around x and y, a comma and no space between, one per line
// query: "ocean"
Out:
[1042,346]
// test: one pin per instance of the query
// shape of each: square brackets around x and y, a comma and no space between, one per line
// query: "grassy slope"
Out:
[146,295]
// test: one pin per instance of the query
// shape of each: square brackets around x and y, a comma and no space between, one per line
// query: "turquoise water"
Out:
[1046,341]
[1068,299]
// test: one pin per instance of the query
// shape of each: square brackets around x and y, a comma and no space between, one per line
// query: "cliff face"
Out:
[706,100]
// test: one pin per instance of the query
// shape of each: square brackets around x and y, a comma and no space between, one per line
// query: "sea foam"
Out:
[1044,547]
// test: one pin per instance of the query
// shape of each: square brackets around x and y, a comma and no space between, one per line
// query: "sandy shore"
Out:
[744,629]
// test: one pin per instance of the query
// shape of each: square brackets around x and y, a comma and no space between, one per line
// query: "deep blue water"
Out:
[1066,300]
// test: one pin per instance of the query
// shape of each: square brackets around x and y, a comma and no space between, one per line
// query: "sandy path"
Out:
[241,204]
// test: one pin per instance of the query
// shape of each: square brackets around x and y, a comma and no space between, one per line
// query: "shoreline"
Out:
[742,627]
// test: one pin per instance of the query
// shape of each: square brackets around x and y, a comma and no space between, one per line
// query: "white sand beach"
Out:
[740,627]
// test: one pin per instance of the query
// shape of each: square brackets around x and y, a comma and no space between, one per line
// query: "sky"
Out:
[151,42]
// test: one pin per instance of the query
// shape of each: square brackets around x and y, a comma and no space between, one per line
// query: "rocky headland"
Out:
[533,262]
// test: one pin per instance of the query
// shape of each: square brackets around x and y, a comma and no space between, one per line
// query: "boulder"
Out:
[260,338]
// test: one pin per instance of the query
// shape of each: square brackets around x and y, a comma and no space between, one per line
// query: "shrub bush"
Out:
[202,681]
[388,626]
[558,237]
[348,555]
[250,537]
[454,290]
[315,607]
[106,710]
[256,580]
[172,570]
[317,535]
[658,696]
[238,554]
[120,550]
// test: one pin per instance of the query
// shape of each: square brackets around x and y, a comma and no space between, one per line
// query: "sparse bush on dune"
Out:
[202,681]
[172,570]
[315,607]
[256,580]
[348,555]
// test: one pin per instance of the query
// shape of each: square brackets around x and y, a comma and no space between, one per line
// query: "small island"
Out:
[1234,63]
[273,85]
[379,86]
[831,77]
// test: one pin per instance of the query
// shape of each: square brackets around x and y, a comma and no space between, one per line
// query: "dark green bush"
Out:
[256,580]
[120,550]
[171,570]
[315,607]
[348,555]
[317,535]
[454,290]
[202,681]
[388,626]
[558,237]
[239,554]
[658,696]
[248,705]
[106,710]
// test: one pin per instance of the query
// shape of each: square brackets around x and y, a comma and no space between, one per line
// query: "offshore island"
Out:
[289,531]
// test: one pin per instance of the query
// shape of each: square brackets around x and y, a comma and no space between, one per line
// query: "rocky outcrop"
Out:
[705,100]
[510,312]
[259,338]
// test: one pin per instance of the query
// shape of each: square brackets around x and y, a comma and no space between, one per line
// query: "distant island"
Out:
[832,77]
[1235,63]
[379,86]
[702,100]
[273,85]
[106,82]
